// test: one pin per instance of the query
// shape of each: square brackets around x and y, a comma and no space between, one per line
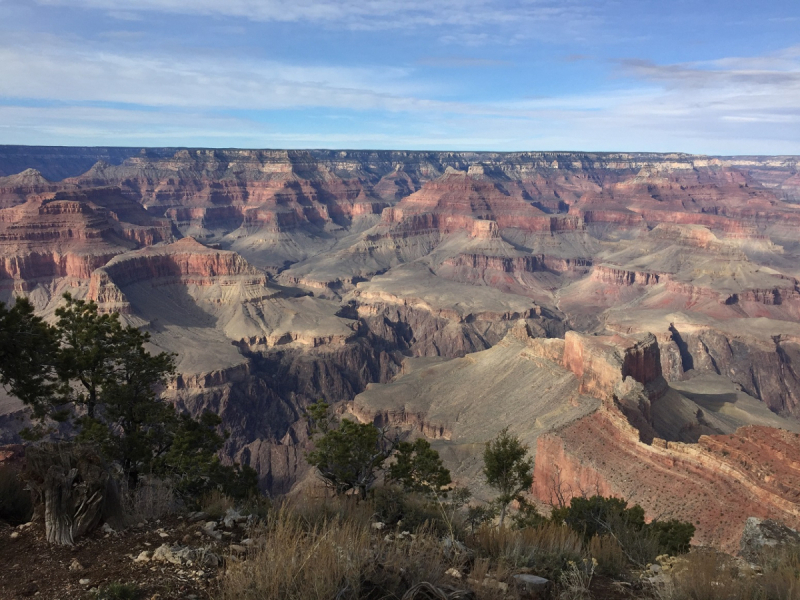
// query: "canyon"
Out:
[633,317]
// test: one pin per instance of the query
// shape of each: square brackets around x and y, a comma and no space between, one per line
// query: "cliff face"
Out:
[706,483]
[185,262]
[602,363]
[616,451]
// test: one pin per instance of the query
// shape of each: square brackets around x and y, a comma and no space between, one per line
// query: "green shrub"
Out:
[527,516]
[118,591]
[16,505]
[640,542]
[407,511]
[593,516]
[673,536]
[548,548]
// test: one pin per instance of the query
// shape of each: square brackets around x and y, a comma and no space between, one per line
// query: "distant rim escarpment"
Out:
[56,163]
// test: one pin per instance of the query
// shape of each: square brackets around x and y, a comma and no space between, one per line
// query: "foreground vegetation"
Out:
[333,548]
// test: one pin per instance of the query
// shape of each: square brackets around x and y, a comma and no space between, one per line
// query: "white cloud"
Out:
[372,14]
[732,105]
[53,69]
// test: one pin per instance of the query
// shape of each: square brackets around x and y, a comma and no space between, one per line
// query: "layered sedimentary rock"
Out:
[583,404]
[69,234]
[704,483]
[592,280]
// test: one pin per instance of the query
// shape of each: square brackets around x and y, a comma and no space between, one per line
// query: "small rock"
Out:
[144,556]
[453,572]
[14,535]
[163,535]
[75,565]
[210,559]
[237,549]
[186,539]
[197,516]
[232,516]
[164,554]
[210,530]
[533,584]
[106,528]
[247,542]
[454,547]
[759,534]
[378,526]
[655,568]
[83,581]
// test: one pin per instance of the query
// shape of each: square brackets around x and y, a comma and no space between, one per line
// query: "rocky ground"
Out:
[175,557]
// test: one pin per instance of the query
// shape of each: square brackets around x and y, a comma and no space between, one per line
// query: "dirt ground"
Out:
[31,568]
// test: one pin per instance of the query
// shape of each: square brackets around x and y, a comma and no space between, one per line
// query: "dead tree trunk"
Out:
[71,481]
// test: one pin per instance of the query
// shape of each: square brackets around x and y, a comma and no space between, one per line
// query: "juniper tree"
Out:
[418,468]
[507,468]
[346,454]
[95,372]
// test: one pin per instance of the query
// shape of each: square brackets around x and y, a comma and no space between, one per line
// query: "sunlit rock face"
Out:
[635,318]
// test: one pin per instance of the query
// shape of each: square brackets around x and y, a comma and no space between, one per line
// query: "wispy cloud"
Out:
[54,69]
[542,15]
[72,91]
[775,69]
[460,62]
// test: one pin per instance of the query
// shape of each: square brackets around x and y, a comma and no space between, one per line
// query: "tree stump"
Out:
[72,482]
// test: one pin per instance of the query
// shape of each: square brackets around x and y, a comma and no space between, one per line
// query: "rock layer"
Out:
[280,277]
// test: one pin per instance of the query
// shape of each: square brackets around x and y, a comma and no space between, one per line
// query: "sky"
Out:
[701,76]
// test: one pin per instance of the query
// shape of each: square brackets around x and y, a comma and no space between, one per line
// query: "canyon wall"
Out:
[284,276]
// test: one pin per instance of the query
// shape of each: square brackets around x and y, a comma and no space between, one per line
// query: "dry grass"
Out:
[300,557]
[548,547]
[610,558]
[216,503]
[710,575]
[152,499]
[576,579]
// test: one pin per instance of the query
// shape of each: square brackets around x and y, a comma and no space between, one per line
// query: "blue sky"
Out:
[702,76]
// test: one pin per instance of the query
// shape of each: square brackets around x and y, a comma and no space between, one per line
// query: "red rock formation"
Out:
[615,276]
[223,190]
[457,200]
[16,189]
[716,484]
[186,262]
[70,234]
[603,362]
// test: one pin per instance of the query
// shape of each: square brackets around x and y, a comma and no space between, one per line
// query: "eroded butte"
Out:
[634,317]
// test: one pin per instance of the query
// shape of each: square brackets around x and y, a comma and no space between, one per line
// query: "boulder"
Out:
[760,534]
